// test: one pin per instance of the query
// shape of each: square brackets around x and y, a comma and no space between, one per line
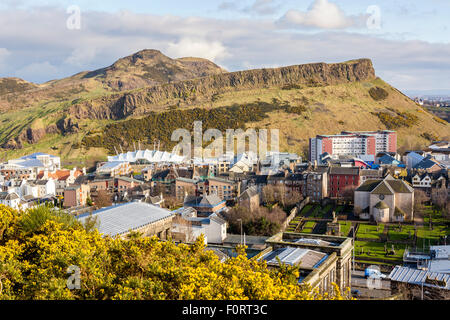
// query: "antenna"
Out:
[159,143]
[139,144]
[134,144]
[115,149]
[121,148]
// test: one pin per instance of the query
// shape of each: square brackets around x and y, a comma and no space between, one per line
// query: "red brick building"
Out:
[342,179]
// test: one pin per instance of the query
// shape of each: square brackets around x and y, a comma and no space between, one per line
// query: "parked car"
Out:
[374,273]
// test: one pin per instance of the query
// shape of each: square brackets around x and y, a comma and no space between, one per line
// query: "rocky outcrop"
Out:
[31,136]
[140,102]
[67,125]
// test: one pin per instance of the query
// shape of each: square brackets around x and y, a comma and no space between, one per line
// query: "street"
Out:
[369,289]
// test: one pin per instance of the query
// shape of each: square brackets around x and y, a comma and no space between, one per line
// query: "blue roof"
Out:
[387,159]
[31,163]
[36,154]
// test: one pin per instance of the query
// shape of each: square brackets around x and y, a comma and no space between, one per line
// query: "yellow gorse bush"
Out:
[33,265]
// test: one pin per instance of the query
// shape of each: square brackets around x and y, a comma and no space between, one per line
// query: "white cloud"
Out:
[4,53]
[42,48]
[35,70]
[321,14]
[188,47]
[81,56]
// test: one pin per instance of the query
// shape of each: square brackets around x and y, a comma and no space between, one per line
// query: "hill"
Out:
[147,95]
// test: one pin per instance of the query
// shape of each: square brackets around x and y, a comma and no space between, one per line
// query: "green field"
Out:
[401,233]
[345,227]
[308,227]
[368,231]
[306,209]
[370,249]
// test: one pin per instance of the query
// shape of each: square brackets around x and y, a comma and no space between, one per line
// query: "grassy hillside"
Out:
[300,110]
[297,113]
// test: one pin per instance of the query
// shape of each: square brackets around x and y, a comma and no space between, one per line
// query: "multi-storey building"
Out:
[342,179]
[353,143]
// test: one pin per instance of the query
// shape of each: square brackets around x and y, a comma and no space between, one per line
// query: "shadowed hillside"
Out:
[100,113]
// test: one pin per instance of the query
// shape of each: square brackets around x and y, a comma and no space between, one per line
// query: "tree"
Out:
[348,193]
[420,197]
[103,199]
[282,195]
[440,199]
[34,264]
[259,222]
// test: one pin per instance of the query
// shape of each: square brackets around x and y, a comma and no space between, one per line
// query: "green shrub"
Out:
[378,93]
[402,119]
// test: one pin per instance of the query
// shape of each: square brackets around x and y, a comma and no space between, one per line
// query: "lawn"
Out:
[427,237]
[369,249]
[305,209]
[345,227]
[308,227]
[338,209]
[315,212]
[324,210]
[406,232]
[369,231]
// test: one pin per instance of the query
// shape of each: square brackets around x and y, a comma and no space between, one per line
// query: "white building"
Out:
[36,162]
[411,159]
[46,187]
[147,156]
[114,168]
[353,143]
[212,227]
[10,199]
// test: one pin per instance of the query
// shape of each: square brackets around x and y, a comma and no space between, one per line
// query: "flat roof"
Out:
[122,218]
[305,258]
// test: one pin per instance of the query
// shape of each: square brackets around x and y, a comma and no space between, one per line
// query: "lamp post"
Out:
[240,220]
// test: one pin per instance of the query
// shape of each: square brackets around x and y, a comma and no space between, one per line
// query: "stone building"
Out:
[250,198]
[223,188]
[120,220]
[387,200]
[205,204]
[322,260]
[76,195]
[185,186]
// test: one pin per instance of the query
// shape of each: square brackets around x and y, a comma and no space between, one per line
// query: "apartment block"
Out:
[353,143]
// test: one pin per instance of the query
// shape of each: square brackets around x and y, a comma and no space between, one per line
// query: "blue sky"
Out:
[410,49]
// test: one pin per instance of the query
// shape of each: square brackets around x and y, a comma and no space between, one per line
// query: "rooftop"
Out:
[121,219]
[419,277]
[305,258]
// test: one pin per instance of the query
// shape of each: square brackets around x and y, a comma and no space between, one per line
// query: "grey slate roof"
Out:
[416,276]
[345,170]
[120,219]
[249,193]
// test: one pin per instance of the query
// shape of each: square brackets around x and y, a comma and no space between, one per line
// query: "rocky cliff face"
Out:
[119,106]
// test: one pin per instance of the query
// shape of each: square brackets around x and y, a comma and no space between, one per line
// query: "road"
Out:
[368,289]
